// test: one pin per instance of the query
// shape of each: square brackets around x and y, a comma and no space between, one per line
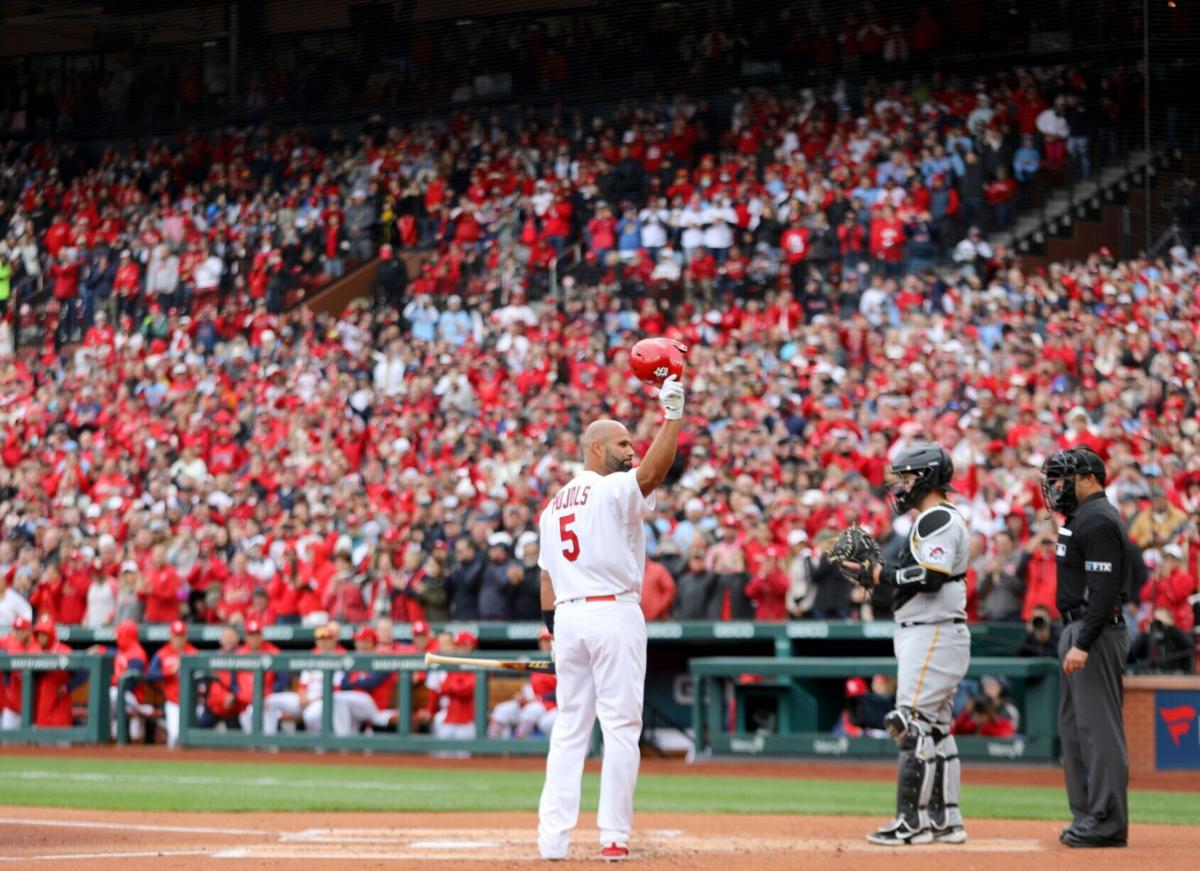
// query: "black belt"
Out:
[1074,615]
[936,623]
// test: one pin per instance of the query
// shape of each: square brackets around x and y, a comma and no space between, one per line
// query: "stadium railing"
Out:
[807,694]
[95,727]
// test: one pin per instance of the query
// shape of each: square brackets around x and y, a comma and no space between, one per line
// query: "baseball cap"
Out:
[179,628]
[499,539]
[1173,550]
[1091,464]
[21,623]
[366,633]
[253,627]
[856,687]
[465,639]
[420,627]
[129,566]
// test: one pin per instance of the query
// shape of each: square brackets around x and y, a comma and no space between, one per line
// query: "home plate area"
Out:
[508,845]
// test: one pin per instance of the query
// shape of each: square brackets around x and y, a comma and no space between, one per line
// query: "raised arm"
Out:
[658,460]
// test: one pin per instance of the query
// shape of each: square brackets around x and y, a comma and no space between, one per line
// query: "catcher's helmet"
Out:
[654,360]
[933,467]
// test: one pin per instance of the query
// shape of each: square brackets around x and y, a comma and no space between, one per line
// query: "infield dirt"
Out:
[36,837]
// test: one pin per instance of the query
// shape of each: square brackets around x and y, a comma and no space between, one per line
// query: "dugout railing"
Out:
[790,638]
[194,669]
[806,695]
[31,667]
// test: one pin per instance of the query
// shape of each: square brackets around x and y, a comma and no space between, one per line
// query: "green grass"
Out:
[254,786]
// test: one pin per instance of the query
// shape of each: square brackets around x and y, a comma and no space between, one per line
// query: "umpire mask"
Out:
[1058,481]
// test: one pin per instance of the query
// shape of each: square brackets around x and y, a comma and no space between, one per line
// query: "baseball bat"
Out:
[491,664]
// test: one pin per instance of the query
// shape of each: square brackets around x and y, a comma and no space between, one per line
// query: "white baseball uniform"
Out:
[594,549]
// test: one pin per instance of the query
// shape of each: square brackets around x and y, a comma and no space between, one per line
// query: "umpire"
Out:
[1093,573]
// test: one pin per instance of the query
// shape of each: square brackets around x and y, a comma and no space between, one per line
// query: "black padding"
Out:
[910,778]
[931,522]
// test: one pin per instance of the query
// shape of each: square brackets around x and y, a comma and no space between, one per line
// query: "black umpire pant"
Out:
[1092,728]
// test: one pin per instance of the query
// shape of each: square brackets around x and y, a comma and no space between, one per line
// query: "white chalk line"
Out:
[262,782]
[129,827]
[92,857]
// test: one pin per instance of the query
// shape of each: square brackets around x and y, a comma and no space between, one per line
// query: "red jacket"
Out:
[1172,593]
[166,663]
[53,695]
[162,599]
[131,656]
[459,688]
[769,593]
[794,242]
[545,688]
[66,280]
[1040,583]
[10,690]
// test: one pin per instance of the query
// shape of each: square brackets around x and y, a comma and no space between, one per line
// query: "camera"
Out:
[1040,623]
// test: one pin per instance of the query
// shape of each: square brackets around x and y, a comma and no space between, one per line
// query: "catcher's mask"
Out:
[928,467]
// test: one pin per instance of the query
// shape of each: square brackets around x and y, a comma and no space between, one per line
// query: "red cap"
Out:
[179,628]
[253,627]
[366,633]
[21,623]
[420,627]
[465,639]
[856,687]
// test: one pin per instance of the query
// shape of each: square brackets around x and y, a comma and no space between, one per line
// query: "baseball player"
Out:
[532,708]
[593,557]
[164,668]
[20,640]
[455,718]
[128,655]
[52,706]
[932,644]
[366,696]
[312,685]
[277,701]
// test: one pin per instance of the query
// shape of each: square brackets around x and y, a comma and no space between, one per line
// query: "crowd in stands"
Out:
[775,189]
[181,443]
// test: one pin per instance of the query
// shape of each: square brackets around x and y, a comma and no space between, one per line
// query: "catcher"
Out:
[932,644]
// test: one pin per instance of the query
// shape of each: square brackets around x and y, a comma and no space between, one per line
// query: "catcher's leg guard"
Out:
[944,815]
[914,783]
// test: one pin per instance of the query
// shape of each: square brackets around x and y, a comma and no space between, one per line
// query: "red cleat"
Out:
[615,853]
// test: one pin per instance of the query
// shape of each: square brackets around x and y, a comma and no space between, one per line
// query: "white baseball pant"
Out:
[136,711]
[312,717]
[600,661]
[512,718]
[276,706]
[361,709]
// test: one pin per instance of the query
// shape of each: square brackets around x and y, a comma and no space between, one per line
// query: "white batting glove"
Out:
[670,395]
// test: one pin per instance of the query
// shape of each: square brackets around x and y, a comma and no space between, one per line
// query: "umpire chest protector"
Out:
[931,569]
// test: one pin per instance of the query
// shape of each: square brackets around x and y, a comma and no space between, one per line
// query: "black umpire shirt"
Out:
[1093,566]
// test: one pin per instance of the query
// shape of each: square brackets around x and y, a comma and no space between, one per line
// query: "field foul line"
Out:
[131,827]
[92,857]
[269,782]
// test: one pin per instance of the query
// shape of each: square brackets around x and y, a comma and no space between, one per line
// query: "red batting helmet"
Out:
[653,360]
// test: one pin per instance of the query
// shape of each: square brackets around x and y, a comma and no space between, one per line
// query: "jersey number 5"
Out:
[569,538]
